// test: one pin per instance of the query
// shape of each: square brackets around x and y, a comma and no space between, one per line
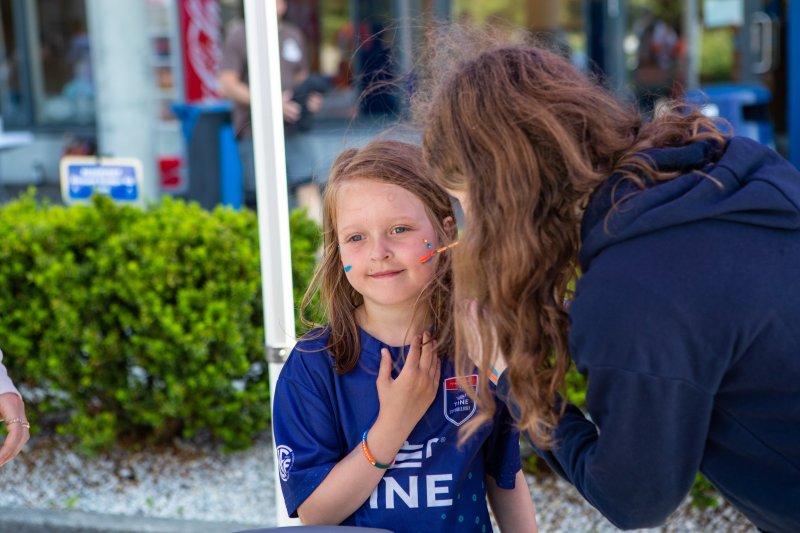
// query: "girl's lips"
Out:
[386,274]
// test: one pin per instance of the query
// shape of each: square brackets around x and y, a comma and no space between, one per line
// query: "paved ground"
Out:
[50,521]
[195,487]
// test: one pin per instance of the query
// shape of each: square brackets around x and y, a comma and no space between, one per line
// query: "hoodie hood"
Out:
[751,185]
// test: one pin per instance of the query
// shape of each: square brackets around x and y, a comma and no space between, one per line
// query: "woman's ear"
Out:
[450,228]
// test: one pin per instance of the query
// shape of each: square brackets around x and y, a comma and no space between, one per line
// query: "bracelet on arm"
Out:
[21,422]
[368,455]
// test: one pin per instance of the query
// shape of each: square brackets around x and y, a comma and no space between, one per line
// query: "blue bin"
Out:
[746,107]
[215,171]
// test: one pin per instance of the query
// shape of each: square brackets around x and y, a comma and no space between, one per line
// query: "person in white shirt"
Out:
[12,411]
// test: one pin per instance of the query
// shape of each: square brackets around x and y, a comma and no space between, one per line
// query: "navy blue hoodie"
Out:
[687,323]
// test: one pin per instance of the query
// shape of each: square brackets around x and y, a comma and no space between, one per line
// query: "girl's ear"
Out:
[450,228]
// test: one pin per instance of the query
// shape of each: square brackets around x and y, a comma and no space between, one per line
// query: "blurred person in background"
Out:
[299,105]
[660,67]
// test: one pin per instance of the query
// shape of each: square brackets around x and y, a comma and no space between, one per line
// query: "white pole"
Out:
[691,38]
[261,26]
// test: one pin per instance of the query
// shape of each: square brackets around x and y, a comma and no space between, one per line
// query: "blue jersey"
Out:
[433,484]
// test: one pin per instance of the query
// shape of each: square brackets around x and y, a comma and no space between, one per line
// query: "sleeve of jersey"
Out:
[307,440]
[501,451]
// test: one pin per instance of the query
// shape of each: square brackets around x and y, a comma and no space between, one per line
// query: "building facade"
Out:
[100,78]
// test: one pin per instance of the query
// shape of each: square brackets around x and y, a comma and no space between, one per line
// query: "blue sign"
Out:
[82,177]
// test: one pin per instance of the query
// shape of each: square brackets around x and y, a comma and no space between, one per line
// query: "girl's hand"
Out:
[404,401]
[291,109]
[13,409]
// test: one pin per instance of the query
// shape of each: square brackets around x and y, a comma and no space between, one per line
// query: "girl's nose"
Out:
[380,250]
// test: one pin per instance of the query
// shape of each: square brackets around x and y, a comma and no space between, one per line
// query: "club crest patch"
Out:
[458,406]
[285,461]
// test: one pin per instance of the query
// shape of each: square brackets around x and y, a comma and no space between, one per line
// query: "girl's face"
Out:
[381,231]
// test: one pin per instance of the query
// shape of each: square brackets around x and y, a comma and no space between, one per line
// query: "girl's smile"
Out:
[385,274]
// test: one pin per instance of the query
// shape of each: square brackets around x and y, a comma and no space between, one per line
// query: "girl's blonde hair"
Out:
[529,137]
[396,163]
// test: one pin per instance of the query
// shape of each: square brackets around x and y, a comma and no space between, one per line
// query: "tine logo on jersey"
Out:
[285,461]
[458,406]
[409,456]
[413,489]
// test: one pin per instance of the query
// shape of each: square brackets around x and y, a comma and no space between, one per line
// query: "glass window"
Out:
[13,97]
[45,64]
[61,66]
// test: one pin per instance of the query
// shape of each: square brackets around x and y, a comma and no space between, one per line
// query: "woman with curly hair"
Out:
[685,244]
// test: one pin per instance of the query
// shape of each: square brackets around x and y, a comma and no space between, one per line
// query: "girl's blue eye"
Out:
[355,238]
[399,229]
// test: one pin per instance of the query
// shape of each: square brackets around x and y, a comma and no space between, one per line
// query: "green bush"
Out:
[138,324]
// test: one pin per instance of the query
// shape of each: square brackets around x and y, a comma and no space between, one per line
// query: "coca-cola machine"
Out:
[201,42]
[211,162]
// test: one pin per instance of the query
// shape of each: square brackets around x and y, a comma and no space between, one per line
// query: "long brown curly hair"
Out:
[528,137]
[396,163]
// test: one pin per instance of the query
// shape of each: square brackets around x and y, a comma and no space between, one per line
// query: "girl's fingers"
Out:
[427,350]
[412,361]
[435,362]
[385,371]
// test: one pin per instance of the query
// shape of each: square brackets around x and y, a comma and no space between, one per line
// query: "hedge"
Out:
[130,325]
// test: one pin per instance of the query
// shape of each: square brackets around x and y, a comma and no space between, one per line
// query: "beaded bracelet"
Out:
[21,422]
[368,455]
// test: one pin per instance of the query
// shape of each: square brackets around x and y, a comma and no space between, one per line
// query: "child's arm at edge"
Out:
[513,508]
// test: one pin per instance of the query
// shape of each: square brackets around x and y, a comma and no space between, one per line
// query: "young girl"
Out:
[366,413]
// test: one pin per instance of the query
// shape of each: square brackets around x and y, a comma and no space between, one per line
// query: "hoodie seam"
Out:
[771,184]
[755,437]
[654,375]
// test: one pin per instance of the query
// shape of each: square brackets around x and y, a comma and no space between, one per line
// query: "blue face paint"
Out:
[347,268]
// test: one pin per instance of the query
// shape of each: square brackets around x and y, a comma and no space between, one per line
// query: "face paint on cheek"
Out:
[427,257]
[346,267]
